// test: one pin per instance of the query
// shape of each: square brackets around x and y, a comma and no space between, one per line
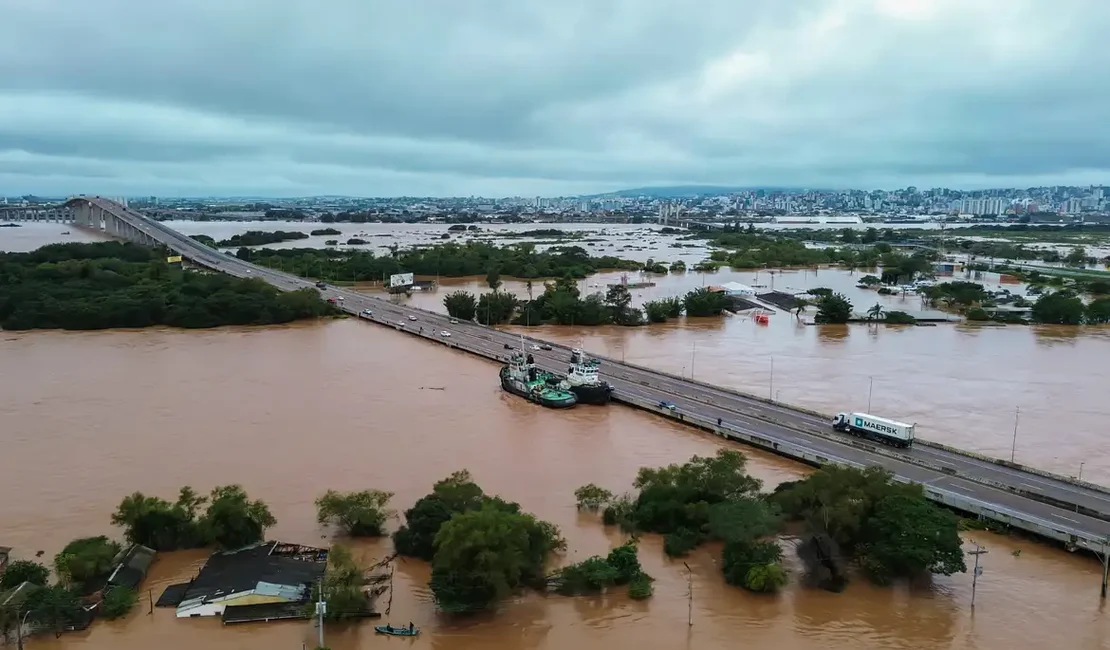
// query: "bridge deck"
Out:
[1073,512]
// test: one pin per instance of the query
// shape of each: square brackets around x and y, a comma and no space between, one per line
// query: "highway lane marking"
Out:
[1053,514]
[1032,487]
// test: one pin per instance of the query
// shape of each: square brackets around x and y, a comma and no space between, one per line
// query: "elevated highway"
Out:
[1074,513]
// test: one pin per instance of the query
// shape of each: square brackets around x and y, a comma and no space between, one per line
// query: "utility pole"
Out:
[321,609]
[977,571]
[1105,567]
[693,354]
[1013,447]
[870,388]
[689,594]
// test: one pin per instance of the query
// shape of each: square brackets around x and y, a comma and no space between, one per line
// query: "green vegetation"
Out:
[1059,308]
[887,527]
[678,266]
[461,305]
[344,583]
[204,239]
[85,560]
[109,284]
[118,601]
[325,231]
[833,308]
[955,294]
[451,259]
[359,514]
[482,548]
[483,555]
[702,302]
[620,567]
[53,608]
[704,499]
[899,318]
[977,314]
[592,497]
[355,241]
[658,311]
[231,520]
[560,303]
[21,571]
[261,238]
[651,266]
[453,495]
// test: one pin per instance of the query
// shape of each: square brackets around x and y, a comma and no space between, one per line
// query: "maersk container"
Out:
[877,428]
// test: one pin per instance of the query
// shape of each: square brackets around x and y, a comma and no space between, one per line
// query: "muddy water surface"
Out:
[86,418]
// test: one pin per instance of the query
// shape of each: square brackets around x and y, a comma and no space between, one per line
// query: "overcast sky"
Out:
[548,97]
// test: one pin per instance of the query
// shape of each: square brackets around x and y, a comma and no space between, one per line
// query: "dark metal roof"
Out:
[133,566]
[237,571]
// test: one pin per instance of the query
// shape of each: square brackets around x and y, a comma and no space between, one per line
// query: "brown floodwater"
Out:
[86,418]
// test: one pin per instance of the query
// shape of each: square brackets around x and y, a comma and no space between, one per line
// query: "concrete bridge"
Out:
[1073,512]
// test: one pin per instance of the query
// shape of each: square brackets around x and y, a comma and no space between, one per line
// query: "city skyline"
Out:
[530,98]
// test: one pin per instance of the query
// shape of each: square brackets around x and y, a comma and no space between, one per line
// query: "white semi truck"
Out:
[890,432]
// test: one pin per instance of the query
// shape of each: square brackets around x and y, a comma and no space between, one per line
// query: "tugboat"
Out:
[583,381]
[522,377]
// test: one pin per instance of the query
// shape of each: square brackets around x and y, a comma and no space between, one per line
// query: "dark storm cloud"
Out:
[541,97]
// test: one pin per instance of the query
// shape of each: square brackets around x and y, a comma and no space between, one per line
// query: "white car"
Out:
[367,312]
[412,318]
[454,321]
[536,348]
[445,333]
[401,323]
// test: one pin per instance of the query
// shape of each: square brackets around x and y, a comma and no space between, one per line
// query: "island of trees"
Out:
[483,549]
[261,238]
[111,284]
[562,303]
[843,516]
[449,259]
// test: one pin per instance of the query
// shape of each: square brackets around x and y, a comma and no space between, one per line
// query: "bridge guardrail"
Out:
[800,452]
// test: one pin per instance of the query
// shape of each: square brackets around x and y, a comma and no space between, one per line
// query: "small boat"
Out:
[396,631]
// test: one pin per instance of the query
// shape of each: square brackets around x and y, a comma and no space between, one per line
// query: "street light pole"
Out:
[870,388]
[19,630]
[1013,446]
[771,387]
[693,354]
[1080,477]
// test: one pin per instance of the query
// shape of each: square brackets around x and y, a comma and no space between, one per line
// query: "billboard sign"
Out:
[173,259]
[400,280]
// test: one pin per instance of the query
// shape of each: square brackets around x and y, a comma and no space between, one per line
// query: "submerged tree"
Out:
[359,514]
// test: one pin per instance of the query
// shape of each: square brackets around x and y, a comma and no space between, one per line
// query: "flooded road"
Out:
[86,418]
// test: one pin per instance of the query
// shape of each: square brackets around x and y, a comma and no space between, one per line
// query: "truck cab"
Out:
[840,422]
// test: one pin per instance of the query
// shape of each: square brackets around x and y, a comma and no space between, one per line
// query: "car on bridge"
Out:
[445,334]
[367,312]
[412,318]
[321,285]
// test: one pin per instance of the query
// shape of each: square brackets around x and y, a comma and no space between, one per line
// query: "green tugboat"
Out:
[522,377]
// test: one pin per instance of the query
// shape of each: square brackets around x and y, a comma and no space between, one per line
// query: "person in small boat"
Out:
[410,627]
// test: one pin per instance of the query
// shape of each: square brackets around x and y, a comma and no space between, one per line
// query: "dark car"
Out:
[321,285]
[508,347]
